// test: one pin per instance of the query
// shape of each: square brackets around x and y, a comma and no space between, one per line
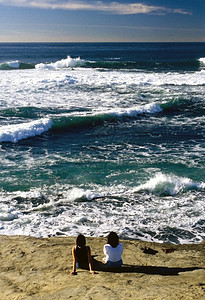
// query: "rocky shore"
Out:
[39,268]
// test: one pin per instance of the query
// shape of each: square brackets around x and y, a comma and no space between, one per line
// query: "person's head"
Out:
[113,239]
[80,241]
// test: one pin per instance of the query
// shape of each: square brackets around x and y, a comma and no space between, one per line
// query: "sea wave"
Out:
[73,120]
[17,132]
[68,122]
[68,62]
[149,108]
[202,61]
[124,64]
[169,185]
[183,105]
[161,185]
[189,65]
[12,65]
[79,195]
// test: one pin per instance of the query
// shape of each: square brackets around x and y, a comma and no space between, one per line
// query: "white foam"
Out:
[162,184]
[11,64]
[125,79]
[202,61]
[61,64]
[150,108]
[14,133]
[32,194]
[14,64]
[8,216]
[144,216]
[79,195]
[51,88]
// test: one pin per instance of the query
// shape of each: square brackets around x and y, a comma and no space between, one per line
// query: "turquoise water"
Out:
[100,137]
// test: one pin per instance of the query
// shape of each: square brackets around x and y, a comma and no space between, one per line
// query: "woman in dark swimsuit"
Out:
[81,255]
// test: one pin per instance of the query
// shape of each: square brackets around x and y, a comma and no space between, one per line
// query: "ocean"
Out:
[97,137]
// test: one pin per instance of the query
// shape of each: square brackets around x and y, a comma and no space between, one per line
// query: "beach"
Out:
[39,268]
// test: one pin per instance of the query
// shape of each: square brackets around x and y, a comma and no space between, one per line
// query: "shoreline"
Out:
[39,268]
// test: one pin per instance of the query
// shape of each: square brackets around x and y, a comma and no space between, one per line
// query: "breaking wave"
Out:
[68,62]
[169,185]
[202,61]
[96,119]
[13,65]
[17,132]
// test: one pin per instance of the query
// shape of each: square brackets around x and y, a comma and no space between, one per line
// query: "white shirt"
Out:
[113,254]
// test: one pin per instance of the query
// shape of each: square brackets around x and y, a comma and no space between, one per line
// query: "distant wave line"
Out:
[70,62]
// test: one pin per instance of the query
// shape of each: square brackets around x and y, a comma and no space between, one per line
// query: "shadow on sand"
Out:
[164,271]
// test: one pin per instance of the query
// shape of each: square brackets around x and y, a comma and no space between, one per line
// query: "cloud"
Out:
[109,7]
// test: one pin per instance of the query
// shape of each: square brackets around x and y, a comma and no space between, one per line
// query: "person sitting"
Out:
[113,251]
[81,255]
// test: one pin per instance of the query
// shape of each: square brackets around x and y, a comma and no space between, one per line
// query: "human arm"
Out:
[74,261]
[105,251]
[121,248]
[90,260]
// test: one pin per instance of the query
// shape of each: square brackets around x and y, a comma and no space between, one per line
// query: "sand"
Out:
[39,268]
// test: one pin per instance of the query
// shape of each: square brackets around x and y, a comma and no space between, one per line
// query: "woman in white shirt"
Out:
[113,251]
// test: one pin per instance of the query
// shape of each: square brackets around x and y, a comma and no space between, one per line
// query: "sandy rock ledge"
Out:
[39,269]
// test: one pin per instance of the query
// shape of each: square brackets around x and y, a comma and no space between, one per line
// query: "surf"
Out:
[16,65]
[16,132]
[68,122]
[202,61]
[169,185]
[113,64]
[68,62]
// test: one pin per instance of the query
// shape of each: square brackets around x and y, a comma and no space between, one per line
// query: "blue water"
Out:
[103,136]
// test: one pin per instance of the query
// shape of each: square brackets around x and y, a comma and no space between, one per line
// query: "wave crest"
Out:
[15,65]
[68,62]
[64,123]
[202,61]
[169,185]
[149,108]
[16,132]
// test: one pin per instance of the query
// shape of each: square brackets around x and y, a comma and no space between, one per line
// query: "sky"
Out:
[102,21]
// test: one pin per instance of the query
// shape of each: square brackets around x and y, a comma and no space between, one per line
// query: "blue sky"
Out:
[96,21]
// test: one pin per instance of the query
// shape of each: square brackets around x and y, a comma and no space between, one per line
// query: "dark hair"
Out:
[113,239]
[80,241]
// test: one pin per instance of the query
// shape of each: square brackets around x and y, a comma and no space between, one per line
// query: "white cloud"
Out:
[111,7]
